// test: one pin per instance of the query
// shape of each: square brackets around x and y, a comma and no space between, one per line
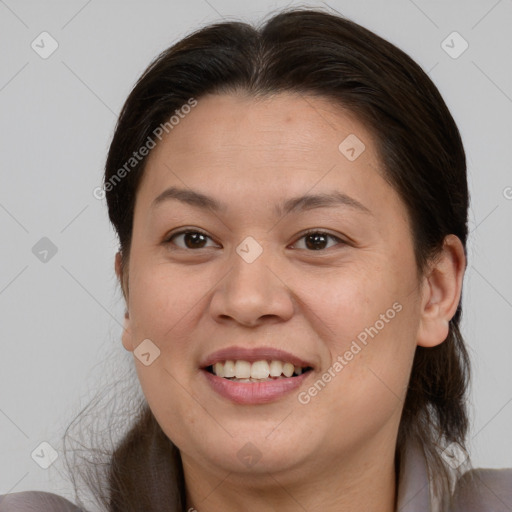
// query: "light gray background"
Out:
[59,318]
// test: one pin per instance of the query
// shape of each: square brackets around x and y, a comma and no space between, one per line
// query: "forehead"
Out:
[239,137]
[247,151]
[284,124]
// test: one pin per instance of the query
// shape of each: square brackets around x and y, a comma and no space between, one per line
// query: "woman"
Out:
[291,205]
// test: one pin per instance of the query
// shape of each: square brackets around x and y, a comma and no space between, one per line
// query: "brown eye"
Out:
[317,240]
[314,240]
[191,239]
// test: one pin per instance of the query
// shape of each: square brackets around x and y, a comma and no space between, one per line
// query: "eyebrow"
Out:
[292,205]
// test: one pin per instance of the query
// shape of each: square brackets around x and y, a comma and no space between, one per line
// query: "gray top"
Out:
[493,492]
[35,501]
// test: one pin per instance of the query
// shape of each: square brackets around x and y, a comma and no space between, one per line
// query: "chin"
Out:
[256,451]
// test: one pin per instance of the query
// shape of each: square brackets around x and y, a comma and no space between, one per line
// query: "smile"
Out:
[258,371]
[248,390]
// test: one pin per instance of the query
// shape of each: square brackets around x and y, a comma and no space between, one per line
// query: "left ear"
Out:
[441,293]
[122,277]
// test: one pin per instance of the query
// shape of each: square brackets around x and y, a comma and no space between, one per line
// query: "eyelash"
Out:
[168,239]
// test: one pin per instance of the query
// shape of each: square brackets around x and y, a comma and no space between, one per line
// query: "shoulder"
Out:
[484,490]
[35,501]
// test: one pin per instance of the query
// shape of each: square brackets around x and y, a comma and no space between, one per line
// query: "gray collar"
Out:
[414,492]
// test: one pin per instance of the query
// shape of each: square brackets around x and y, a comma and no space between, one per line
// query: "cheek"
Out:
[372,321]
[367,379]
[171,403]
[161,298]
[167,306]
[354,298]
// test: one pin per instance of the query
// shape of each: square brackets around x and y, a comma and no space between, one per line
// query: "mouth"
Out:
[258,371]
[254,376]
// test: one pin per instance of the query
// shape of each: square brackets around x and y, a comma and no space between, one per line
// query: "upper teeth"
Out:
[257,370]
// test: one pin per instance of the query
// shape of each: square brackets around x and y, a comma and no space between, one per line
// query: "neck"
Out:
[357,483]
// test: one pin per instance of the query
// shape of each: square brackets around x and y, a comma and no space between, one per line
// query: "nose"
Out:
[252,293]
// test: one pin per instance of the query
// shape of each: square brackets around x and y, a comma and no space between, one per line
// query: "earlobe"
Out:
[441,293]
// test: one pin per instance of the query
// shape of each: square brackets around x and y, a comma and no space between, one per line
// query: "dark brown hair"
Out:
[310,52]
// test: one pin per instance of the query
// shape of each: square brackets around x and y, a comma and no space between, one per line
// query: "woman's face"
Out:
[343,300]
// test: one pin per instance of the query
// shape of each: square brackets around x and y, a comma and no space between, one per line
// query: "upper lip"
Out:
[253,354]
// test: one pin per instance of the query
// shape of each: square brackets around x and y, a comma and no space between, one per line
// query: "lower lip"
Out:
[254,392]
